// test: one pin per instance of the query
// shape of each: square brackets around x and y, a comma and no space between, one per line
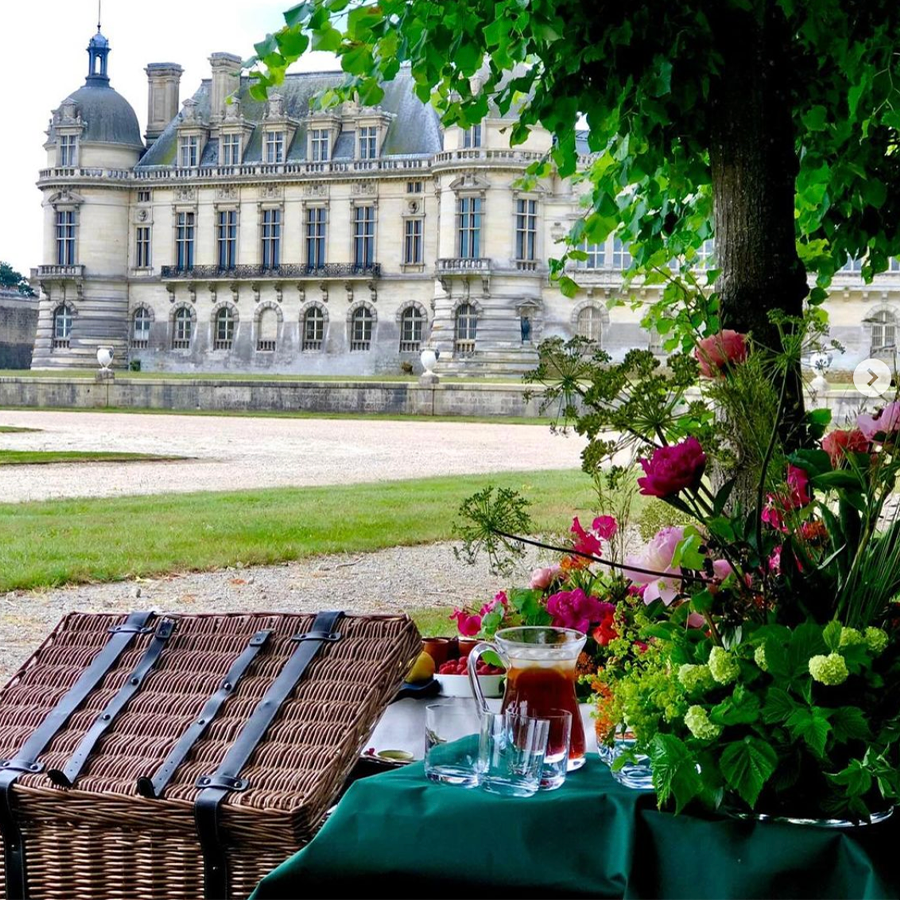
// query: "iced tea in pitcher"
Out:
[540,675]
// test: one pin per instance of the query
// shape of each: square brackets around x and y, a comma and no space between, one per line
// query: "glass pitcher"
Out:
[540,675]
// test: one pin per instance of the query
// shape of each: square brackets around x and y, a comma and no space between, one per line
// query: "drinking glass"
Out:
[556,759]
[451,743]
[511,753]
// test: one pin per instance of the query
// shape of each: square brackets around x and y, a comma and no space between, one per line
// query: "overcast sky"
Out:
[45,60]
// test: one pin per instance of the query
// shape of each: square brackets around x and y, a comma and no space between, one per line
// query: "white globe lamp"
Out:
[105,357]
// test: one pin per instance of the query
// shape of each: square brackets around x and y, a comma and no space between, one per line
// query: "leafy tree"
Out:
[772,124]
[10,279]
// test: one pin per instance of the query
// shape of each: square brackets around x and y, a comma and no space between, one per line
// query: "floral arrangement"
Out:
[752,654]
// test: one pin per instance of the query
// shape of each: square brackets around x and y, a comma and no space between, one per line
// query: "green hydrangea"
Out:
[695,678]
[876,639]
[851,636]
[697,721]
[722,666]
[831,669]
[759,657]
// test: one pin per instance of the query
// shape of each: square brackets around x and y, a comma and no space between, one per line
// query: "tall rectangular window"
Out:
[274,146]
[413,187]
[320,144]
[363,236]
[271,238]
[65,237]
[470,227]
[596,256]
[226,238]
[142,247]
[231,149]
[184,240]
[368,142]
[621,256]
[68,149]
[412,243]
[472,137]
[315,236]
[189,151]
[143,196]
[526,229]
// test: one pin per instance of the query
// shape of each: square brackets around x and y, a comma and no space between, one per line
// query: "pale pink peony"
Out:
[657,557]
[671,469]
[886,421]
[541,579]
[719,351]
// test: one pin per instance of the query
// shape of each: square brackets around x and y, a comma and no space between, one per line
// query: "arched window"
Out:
[140,328]
[411,324]
[466,323]
[313,329]
[224,333]
[361,329]
[62,326]
[590,325]
[184,326]
[884,333]
[267,331]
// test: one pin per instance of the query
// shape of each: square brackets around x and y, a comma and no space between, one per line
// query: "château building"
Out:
[248,236]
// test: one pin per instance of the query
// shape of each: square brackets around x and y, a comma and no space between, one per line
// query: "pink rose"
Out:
[671,469]
[839,443]
[468,625]
[886,421]
[541,579]
[657,558]
[719,351]
[574,609]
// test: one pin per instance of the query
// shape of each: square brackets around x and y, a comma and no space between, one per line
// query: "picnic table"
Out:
[401,834]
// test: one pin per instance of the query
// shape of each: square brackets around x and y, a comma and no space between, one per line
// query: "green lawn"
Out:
[47,457]
[12,429]
[55,542]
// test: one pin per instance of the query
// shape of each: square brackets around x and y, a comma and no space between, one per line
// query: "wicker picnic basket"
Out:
[183,756]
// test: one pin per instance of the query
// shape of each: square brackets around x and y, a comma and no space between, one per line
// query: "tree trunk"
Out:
[754,166]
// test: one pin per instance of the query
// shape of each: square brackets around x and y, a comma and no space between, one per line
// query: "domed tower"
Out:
[93,143]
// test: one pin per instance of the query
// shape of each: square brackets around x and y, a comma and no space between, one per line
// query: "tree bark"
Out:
[754,166]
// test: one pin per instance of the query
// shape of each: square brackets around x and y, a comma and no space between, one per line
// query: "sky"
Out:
[45,60]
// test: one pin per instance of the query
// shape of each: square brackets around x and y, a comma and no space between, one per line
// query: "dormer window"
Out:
[472,137]
[68,149]
[274,146]
[231,149]
[319,145]
[189,151]
[368,142]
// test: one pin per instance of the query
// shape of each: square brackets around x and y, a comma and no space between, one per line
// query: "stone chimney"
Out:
[164,81]
[226,79]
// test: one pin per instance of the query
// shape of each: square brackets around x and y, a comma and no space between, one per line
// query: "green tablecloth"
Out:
[407,837]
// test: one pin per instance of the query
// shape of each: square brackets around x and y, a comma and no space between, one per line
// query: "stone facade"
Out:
[18,321]
[250,236]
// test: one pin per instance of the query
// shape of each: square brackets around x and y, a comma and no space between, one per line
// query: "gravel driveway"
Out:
[400,577]
[232,452]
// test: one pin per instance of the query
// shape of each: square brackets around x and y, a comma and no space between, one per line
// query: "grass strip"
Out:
[48,457]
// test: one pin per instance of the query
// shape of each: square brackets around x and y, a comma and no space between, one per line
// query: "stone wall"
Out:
[18,321]
[403,398]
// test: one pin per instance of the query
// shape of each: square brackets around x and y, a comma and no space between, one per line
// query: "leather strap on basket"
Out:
[25,761]
[154,787]
[68,776]
[216,787]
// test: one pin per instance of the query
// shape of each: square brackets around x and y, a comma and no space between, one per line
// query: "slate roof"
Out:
[108,117]
[414,128]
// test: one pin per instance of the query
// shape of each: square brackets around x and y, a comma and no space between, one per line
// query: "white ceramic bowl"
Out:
[458,685]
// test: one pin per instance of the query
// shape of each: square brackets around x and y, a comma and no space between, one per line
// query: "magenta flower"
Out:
[574,609]
[885,422]
[541,579]
[719,351]
[798,482]
[469,625]
[500,599]
[671,469]
[605,527]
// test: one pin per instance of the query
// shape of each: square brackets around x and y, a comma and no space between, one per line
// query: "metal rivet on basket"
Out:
[106,717]
[35,767]
[204,781]
[227,685]
[135,680]
[201,721]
